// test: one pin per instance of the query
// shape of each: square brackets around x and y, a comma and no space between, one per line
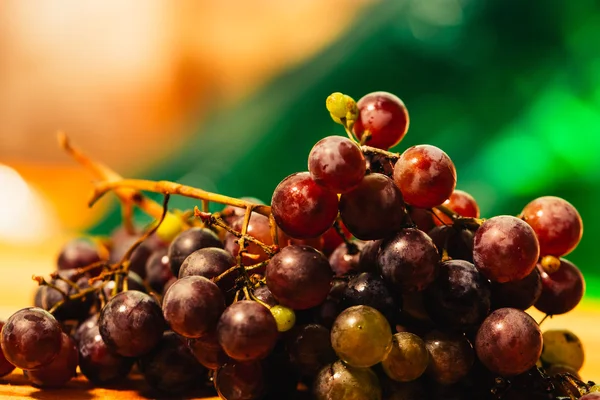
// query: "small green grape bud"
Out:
[169,228]
[341,106]
[284,317]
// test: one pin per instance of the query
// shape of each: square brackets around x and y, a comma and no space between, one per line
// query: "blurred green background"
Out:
[509,89]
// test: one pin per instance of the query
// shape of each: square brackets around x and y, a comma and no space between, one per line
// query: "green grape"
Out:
[361,336]
[284,317]
[169,228]
[562,347]
[339,381]
[407,359]
[594,389]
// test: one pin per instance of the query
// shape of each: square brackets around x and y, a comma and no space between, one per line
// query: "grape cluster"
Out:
[369,276]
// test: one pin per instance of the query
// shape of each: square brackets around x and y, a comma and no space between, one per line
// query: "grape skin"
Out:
[361,336]
[374,209]
[408,358]
[509,342]
[384,116]
[505,249]
[562,347]
[192,306]
[207,350]
[336,163]
[425,175]
[158,270]
[247,331]
[451,357]
[462,203]
[556,223]
[309,348]
[240,381]
[189,241]
[31,338]
[60,370]
[408,260]
[78,253]
[561,291]
[520,294]
[98,363]
[5,366]
[258,228]
[298,199]
[339,381]
[131,323]
[299,277]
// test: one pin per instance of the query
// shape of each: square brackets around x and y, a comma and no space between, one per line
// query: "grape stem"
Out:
[167,187]
[375,150]
[76,296]
[351,247]
[468,223]
[42,282]
[127,196]
[212,219]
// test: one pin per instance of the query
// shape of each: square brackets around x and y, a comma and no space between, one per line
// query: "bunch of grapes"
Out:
[369,276]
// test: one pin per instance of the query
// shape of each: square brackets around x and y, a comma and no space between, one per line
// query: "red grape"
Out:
[505,249]
[207,350]
[384,116]
[78,253]
[450,356]
[337,164]
[509,342]
[332,239]
[299,277]
[408,260]
[302,208]
[556,223]
[247,331]
[374,209]
[5,366]
[158,270]
[462,203]
[210,262]
[422,218]
[425,175]
[343,261]
[562,290]
[240,381]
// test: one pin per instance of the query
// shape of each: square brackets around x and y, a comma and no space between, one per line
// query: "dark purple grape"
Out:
[210,263]
[408,260]
[309,348]
[5,366]
[193,305]
[60,370]
[207,350]
[562,290]
[505,249]
[98,364]
[299,199]
[509,342]
[79,253]
[247,331]
[337,164]
[341,381]
[170,367]
[85,326]
[385,118]
[556,223]
[344,259]
[131,323]
[422,218]
[299,277]
[368,289]
[189,241]
[240,381]
[158,270]
[459,298]
[47,297]
[451,357]
[520,294]
[425,175]
[31,338]
[457,242]
[264,294]
[332,239]
[374,209]
[367,261]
